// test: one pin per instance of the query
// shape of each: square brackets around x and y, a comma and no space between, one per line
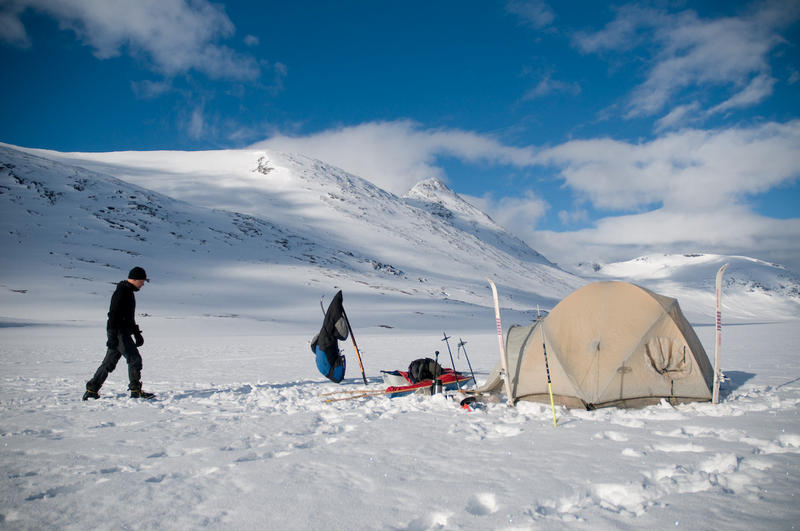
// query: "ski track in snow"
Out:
[223,452]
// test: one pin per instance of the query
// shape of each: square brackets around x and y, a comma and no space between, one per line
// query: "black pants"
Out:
[120,344]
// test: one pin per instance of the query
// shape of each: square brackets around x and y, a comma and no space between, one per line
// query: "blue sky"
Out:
[592,131]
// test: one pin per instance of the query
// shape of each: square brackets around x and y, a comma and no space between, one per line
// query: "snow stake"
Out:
[461,346]
[503,359]
[452,363]
[718,338]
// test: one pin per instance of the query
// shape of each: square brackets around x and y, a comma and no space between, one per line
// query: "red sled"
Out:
[401,385]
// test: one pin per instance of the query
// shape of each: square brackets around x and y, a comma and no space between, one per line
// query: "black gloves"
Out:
[137,335]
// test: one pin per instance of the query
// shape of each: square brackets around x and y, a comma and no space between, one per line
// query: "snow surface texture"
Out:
[240,247]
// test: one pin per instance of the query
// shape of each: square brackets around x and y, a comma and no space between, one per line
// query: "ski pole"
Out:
[358,354]
[451,360]
[549,386]
[461,346]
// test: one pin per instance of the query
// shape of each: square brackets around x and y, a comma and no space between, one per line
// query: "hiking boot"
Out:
[138,393]
[91,394]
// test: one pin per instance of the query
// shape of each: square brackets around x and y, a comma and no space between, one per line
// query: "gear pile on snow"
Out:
[423,369]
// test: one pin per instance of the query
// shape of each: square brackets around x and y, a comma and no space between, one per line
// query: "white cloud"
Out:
[175,35]
[701,183]
[197,126]
[683,171]
[547,85]
[693,53]
[579,215]
[397,155]
[625,32]
[535,13]
[12,30]
[150,89]
[726,230]
[680,115]
[759,88]
[519,215]
[281,71]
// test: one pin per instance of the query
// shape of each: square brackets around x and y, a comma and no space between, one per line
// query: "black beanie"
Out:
[137,273]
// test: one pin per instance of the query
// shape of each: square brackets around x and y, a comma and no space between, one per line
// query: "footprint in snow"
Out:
[482,504]
[611,436]
[504,431]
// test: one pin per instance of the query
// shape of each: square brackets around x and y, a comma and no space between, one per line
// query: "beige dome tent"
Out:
[608,344]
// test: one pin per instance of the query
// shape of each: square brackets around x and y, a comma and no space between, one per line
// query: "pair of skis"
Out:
[352,395]
[395,390]
[504,358]
[718,337]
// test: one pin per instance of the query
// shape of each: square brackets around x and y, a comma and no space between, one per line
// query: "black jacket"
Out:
[123,308]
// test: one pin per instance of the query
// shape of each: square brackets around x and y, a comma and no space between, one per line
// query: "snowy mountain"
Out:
[220,231]
[236,224]
[752,289]
[434,196]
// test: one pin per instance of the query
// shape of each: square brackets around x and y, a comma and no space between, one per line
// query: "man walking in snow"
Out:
[120,327]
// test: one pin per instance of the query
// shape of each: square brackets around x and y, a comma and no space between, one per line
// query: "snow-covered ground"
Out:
[240,438]
[240,247]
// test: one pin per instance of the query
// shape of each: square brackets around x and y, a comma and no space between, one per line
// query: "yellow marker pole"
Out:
[552,405]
